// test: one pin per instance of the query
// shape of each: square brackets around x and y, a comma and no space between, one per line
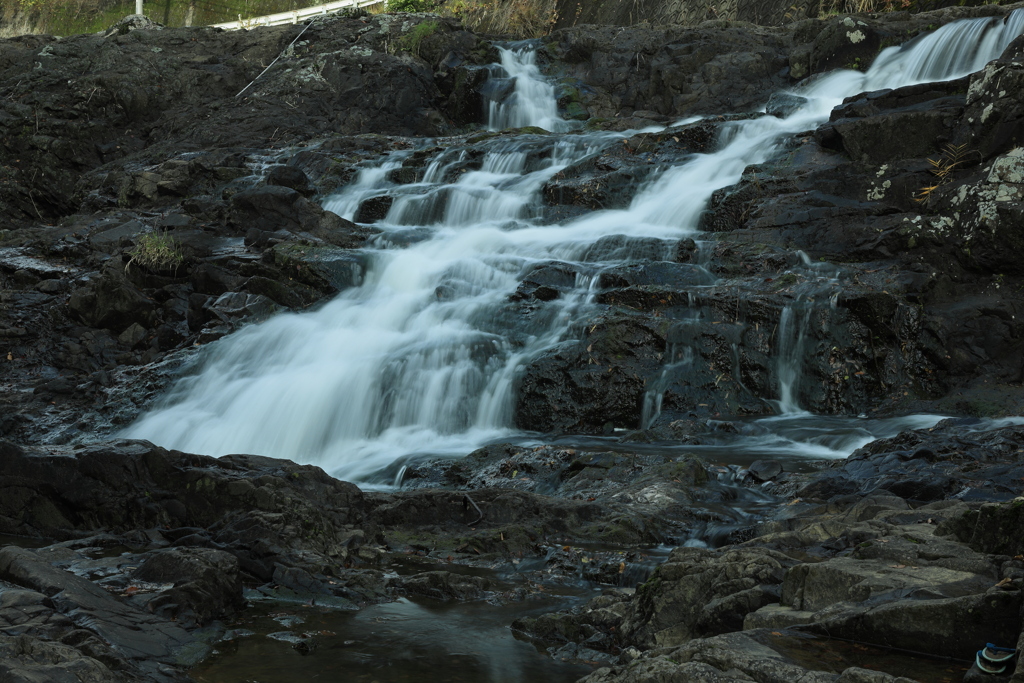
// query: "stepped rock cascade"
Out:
[422,356]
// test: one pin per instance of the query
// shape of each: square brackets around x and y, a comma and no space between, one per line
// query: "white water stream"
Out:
[421,357]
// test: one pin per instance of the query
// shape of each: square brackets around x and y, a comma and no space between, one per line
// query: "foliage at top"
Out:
[68,17]
[411,5]
[413,40]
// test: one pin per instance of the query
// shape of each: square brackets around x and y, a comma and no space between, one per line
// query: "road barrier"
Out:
[294,16]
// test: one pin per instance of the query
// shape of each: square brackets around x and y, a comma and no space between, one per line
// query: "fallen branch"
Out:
[466,499]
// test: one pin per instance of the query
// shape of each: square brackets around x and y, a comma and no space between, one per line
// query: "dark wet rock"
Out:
[291,177]
[576,387]
[992,528]
[669,70]
[465,103]
[374,209]
[446,586]
[322,267]
[919,623]
[727,657]
[700,592]
[115,632]
[236,306]
[276,504]
[112,302]
[513,522]
[925,114]
[871,568]
[952,459]
[783,104]
[995,120]
[206,584]
[546,281]
[765,470]
[594,185]
[273,208]
[847,43]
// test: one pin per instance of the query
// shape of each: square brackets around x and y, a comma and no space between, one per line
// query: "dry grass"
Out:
[952,156]
[830,8]
[513,18]
[18,25]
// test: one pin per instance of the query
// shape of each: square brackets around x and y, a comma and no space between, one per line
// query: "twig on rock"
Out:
[467,499]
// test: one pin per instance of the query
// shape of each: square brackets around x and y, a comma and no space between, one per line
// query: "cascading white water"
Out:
[792,337]
[421,357]
[532,103]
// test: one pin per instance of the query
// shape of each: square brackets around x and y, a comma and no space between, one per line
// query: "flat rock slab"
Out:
[155,646]
[812,587]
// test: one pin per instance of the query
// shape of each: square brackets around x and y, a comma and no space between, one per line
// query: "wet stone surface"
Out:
[654,518]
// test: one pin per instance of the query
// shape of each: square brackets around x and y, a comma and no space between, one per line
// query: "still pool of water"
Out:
[414,641]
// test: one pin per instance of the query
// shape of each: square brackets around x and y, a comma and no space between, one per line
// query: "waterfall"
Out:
[421,357]
[789,359]
[532,103]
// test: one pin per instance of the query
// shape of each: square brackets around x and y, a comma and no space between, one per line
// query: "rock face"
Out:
[871,569]
[682,69]
[148,209]
[85,309]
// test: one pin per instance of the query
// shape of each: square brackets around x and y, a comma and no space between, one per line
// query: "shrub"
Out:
[413,40]
[411,5]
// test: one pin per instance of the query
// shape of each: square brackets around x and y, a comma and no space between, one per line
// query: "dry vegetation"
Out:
[513,18]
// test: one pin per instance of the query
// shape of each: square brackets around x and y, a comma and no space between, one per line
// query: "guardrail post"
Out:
[138,6]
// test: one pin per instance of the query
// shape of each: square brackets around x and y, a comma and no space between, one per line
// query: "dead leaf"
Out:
[1003,582]
[622,567]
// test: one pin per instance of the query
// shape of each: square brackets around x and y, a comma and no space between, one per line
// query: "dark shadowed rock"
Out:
[291,177]
[206,584]
[765,470]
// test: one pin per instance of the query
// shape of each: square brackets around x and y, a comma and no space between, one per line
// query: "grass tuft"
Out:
[156,251]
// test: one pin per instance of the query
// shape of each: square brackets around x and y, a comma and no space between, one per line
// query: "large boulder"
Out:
[274,208]
[206,584]
[700,592]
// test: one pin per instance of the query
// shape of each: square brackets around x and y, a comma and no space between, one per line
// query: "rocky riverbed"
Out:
[889,232]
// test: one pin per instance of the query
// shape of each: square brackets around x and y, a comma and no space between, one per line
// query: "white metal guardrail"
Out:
[294,16]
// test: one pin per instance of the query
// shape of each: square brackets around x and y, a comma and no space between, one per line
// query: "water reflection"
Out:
[422,641]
